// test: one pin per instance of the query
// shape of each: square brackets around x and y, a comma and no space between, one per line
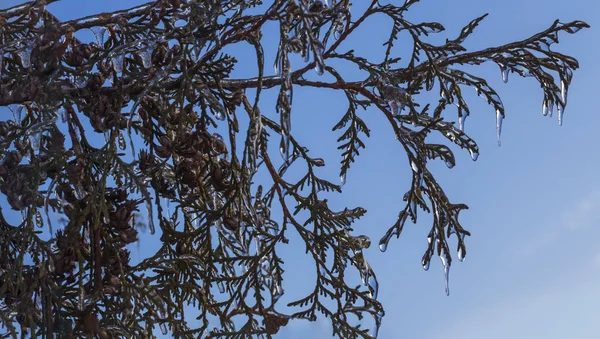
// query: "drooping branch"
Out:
[156,84]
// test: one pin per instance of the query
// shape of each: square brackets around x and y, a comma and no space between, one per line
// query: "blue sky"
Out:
[533,263]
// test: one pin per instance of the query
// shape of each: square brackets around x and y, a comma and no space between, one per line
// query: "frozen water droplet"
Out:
[163,329]
[146,56]
[220,115]
[117,61]
[221,287]
[319,68]
[545,108]
[425,264]
[550,108]
[383,245]
[25,56]
[499,118]
[343,179]
[461,123]
[460,254]
[474,154]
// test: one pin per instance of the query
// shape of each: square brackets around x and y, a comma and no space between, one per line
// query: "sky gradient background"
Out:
[533,263]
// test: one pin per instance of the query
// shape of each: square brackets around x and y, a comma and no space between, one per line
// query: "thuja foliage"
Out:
[154,85]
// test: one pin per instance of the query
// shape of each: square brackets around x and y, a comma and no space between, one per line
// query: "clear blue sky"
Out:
[533,263]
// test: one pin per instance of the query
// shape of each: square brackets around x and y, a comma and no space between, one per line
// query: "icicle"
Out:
[367,275]
[545,108]
[221,287]
[81,297]
[276,67]
[17,111]
[343,179]
[195,53]
[287,77]
[550,108]
[78,81]
[446,265]
[62,113]
[284,147]
[99,33]
[461,123]
[34,140]
[560,110]
[373,284]
[38,219]
[563,92]
[319,63]
[377,324]
[277,291]
[121,142]
[117,61]
[150,216]
[146,56]
[504,71]
[25,56]
[306,52]
[339,25]
[163,329]
[499,118]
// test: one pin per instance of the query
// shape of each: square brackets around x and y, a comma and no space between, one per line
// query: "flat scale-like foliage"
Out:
[155,86]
